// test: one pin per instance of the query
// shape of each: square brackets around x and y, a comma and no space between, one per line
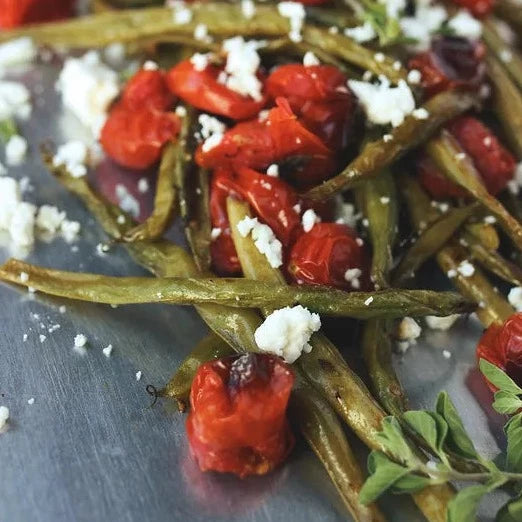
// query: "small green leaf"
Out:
[511,511]
[506,402]
[392,439]
[384,474]
[457,439]
[430,426]
[463,506]
[411,483]
[8,129]
[514,444]
[499,378]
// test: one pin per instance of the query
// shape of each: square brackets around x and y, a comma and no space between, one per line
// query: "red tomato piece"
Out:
[435,182]
[501,345]
[257,144]
[237,423]
[19,12]
[319,97]
[147,89]
[494,162]
[135,138]
[323,255]
[479,8]
[202,89]
[450,63]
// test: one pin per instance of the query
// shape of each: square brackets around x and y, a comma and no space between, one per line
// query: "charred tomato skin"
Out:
[237,422]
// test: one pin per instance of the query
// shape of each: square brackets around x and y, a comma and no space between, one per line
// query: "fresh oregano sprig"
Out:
[401,469]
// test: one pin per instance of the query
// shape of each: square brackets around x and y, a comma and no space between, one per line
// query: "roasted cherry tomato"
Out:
[501,345]
[203,90]
[222,249]
[20,12]
[272,200]
[319,97]
[325,254]
[494,162]
[237,423]
[478,8]
[135,138]
[451,62]
[257,144]
[435,182]
[147,89]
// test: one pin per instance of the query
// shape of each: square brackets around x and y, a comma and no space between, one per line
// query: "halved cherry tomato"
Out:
[237,423]
[147,89]
[451,62]
[494,162]
[20,12]
[257,144]
[501,345]
[202,89]
[319,97]
[134,138]
[323,256]
[435,182]
[479,8]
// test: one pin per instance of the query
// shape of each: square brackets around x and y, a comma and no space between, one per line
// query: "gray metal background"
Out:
[91,449]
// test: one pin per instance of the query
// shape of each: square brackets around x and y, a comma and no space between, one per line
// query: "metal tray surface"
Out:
[91,448]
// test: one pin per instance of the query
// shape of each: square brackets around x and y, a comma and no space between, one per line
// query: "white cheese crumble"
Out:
[427,20]
[384,200]
[62,309]
[264,240]
[309,59]
[24,277]
[309,219]
[515,298]
[19,51]
[201,33]
[80,340]
[15,100]
[465,268]
[127,202]
[73,156]
[139,375]
[352,276]
[143,185]
[296,14]
[200,61]
[273,170]
[368,301]
[70,230]
[22,223]
[150,65]
[451,273]
[393,7]
[16,150]
[465,25]
[441,323]
[408,330]
[446,354]
[490,220]
[515,184]
[49,218]
[361,33]
[286,332]
[107,351]
[215,233]
[30,401]
[9,200]
[506,55]
[387,138]
[212,131]
[414,77]
[379,57]
[114,53]
[88,87]
[345,213]
[420,114]
[180,111]
[4,417]
[248,8]
[181,13]
[383,103]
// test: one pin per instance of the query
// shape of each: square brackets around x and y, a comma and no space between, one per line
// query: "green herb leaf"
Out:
[457,439]
[392,439]
[411,483]
[430,426]
[385,473]
[499,378]
[463,506]
[506,402]
[8,129]
[511,511]
[514,444]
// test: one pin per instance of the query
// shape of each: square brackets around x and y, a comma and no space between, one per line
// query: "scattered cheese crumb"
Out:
[24,338]
[387,137]
[466,269]
[426,21]
[451,273]
[138,375]
[128,203]
[19,51]
[24,277]
[80,340]
[490,220]
[420,114]
[296,14]
[264,240]
[408,330]
[446,354]
[73,156]
[515,298]
[506,55]
[201,33]
[22,223]
[49,218]
[379,57]
[309,59]
[200,62]
[15,100]
[114,53]
[4,417]
[107,351]
[286,332]
[466,25]
[441,323]
[42,338]
[248,8]
[150,65]
[361,33]
[273,170]
[309,219]
[352,276]
[414,77]
[180,111]
[181,13]
[368,301]
[30,401]
[212,131]
[16,150]
[384,200]
[70,230]
[62,309]
[215,233]
[143,185]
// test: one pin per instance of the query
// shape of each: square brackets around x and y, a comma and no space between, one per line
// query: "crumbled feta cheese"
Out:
[201,33]
[368,301]
[515,184]
[273,170]
[200,62]
[138,375]
[393,7]
[143,185]
[114,53]
[49,218]
[150,65]
[427,20]
[333,29]
[15,100]
[296,14]
[397,66]
[70,230]
[24,277]
[241,67]
[383,103]
[309,219]
[367,76]
[309,59]
[414,77]
[62,309]
[446,354]
[286,332]
[441,323]
[19,51]
[180,111]
[248,8]
[80,340]
[384,200]
[42,338]
[420,114]
[361,33]
[506,55]
[9,200]
[352,276]
[505,31]
[107,351]
[88,87]
[73,156]
[345,213]
[515,298]
[212,131]
[297,208]
[466,269]
[30,401]
[451,273]
[490,220]
[215,233]
[408,330]
[460,156]
[4,417]
[181,13]
[16,150]
[387,137]
[21,227]
[264,240]
[466,25]
[379,57]
[127,202]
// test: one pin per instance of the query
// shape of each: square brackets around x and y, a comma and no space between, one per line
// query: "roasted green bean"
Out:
[379,154]
[510,11]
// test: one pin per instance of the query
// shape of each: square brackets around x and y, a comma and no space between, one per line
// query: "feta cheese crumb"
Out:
[248,8]
[368,301]
[201,33]
[379,57]
[297,208]
[309,59]
[387,137]
[127,202]
[4,417]
[309,219]
[16,150]
[515,184]
[451,273]
[114,53]
[361,33]
[264,240]
[446,354]
[24,277]
[414,77]
[24,338]
[383,103]
[420,114]
[384,200]
[49,218]
[212,131]
[19,51]
[296,14]
[286,332]
[408,330]
[200,62]
[215,233]
[490,220]
[73,156]
[70,230]
[21,227]
[107,351]
[181,13]
[466,269]
[139,375]
[441,323]
[426,21]
[352,276]
[180,111]
[466,25]
[143,185]
[506,55]
[15,100]
[80,340]
[30,401]
[273,170]
[150,65]
[515,298]
[42,338]
[62,309]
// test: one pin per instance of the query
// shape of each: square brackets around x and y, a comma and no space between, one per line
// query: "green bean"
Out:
[326,369]
[492,306]
[335,17]
[485,234]
[510,11]
[430,241]
[507,101]
[447,154]
[381,153]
